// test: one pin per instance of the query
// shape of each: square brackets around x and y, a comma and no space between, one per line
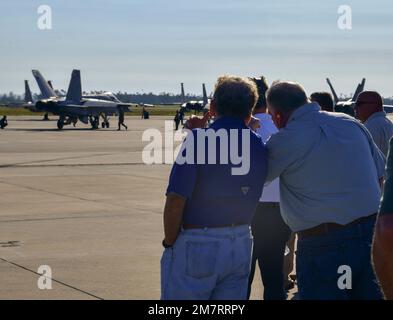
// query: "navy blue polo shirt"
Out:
[215,196]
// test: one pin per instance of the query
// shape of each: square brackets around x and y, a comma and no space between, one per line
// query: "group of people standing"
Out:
[313,173]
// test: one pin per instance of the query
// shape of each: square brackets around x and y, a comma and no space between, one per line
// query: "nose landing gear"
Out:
[60,123]
[94,122]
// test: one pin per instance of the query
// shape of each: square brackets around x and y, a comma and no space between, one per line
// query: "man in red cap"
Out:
[369,110]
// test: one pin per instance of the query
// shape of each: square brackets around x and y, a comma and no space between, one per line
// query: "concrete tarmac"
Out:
[82,202]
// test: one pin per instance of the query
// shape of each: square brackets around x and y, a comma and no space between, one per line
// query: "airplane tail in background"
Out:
[336,99]
[359,89]
[28,95]
[74,92]
[46,90]
[183,96]
[205,99]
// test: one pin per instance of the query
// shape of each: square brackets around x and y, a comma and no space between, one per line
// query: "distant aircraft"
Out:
[74,106]
[196,106]
[28,101]
[348,106]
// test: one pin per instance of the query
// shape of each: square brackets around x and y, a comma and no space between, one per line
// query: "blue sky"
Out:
[153,45]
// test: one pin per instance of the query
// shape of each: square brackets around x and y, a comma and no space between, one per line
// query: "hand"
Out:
[167,245]
[196,122]
[254,123]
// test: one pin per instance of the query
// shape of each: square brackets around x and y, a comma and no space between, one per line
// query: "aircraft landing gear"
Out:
[46,117]
[94,121]
[60,124]
[105,120]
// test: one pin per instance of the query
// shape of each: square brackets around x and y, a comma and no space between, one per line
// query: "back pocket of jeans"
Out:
[201,258]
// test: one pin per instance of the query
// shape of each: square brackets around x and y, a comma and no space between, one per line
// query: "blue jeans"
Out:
[207,264]
[318,260]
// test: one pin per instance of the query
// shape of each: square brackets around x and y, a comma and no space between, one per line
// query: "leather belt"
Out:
[325,228]
[192,226]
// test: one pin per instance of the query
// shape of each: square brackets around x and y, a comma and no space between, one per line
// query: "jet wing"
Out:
[136,105]
[388,108]
[81,110]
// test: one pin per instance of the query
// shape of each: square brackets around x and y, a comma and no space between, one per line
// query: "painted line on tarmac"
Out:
[54,280]
[74,165]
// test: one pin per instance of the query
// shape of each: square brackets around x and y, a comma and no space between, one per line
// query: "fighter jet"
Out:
[196,106]
[28,102]
[74,106]
[110,96]
[347,106]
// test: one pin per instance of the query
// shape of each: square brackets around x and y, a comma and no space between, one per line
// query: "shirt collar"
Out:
[376,115]
[304,110]
[263,116]
[228,123]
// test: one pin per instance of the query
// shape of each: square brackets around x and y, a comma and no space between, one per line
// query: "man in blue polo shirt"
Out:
[211,201]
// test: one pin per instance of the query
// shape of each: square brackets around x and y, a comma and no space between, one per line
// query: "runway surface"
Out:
[83,203]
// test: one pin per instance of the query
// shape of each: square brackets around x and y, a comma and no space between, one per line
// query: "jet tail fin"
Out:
[183,96]
[205,99]
[359,89]
[74,92]
[336,99]
[28,95]
[46,90]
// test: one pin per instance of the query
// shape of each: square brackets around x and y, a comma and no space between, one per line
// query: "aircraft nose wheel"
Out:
[60,124]
[95,123]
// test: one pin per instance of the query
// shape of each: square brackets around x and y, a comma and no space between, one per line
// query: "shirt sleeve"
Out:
[378,156]
[183,177]
[279,154]
[387,199]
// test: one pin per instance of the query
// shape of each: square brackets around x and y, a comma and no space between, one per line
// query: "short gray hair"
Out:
[286,96]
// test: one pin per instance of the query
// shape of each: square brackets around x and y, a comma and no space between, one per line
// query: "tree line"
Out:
[149,98]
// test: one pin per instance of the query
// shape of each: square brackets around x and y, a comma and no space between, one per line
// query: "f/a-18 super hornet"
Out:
[29,101]
[74,106]
[348,106]
[195,106]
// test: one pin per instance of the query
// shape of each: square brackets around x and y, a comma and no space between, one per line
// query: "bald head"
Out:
[283,98]
[368,103]
[286,96]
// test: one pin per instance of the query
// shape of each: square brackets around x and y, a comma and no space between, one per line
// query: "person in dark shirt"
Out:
[383,239]
[324,99]
[3,122]
[181,116]
[177,120]
[210,201]
[121,120]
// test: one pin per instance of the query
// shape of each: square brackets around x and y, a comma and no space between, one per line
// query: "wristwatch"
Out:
[166,246]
